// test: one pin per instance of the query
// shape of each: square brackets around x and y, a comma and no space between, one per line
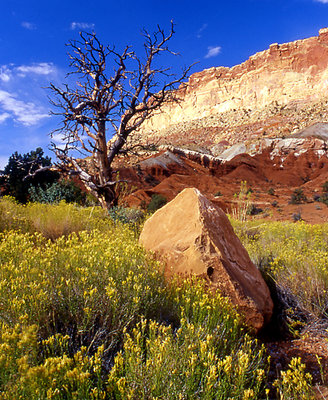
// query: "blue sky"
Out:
[33,34]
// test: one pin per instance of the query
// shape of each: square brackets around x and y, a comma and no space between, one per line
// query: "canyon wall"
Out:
[296,71]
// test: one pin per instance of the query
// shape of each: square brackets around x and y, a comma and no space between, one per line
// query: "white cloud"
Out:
[5,74]
[39,69]
[22,99]
[81,25]
[4,116]
[59,140]
[26,113]
[213,51]
[28,25]
[200,30]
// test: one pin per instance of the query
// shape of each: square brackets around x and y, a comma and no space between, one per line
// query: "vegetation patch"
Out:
[88,314]
[157,201]
[298,197]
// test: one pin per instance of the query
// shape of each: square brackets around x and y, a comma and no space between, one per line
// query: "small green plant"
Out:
[271,191]
[324,196]
[325,187]
[298,196]
[253,210]
[316,197]
[218,194]
[157,201]
[243,200]
[297,216]
[125,215]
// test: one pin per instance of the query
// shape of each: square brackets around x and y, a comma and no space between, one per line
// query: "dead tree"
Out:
[115,93]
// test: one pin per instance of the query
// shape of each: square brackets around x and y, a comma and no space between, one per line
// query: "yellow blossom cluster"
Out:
[295,255]
[85,313]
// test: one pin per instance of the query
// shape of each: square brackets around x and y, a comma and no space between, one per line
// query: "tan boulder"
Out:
[194,236]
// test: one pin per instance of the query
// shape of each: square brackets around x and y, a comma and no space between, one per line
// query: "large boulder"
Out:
[194,236]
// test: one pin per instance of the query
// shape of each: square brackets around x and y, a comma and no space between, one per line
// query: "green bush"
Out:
[157,201]
[325,187]
[298,197]
[14,182]
[253,209]
[65,190]
[125,215]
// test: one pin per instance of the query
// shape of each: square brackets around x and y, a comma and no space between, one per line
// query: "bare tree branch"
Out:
[110,104]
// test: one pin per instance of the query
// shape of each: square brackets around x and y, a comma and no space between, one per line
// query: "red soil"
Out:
[263,175]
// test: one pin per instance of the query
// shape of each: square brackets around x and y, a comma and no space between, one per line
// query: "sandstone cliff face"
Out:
[282,74]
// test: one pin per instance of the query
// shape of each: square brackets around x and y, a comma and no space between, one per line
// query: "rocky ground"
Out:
[271,176]
[217,132]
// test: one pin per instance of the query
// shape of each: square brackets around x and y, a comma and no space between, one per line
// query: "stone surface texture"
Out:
[194,236]
[282,75]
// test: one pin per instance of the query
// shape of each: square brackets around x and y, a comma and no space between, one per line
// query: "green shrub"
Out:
[324,198]
[65,190]
[297,217]
[157,201]
[19,167]
[253,210]
[298,197]
[325,187]
[125,215]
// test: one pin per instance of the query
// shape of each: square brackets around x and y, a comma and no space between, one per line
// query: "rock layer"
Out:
[281,75]
[194,236]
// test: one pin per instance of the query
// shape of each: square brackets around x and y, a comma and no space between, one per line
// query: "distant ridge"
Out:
[285,86]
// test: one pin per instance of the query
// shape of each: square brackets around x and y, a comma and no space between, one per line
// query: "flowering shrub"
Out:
[207,357]
[89,315]
[52,221]
[295,382]
[296,256]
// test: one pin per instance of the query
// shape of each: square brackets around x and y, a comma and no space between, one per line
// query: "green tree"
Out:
[19,174]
